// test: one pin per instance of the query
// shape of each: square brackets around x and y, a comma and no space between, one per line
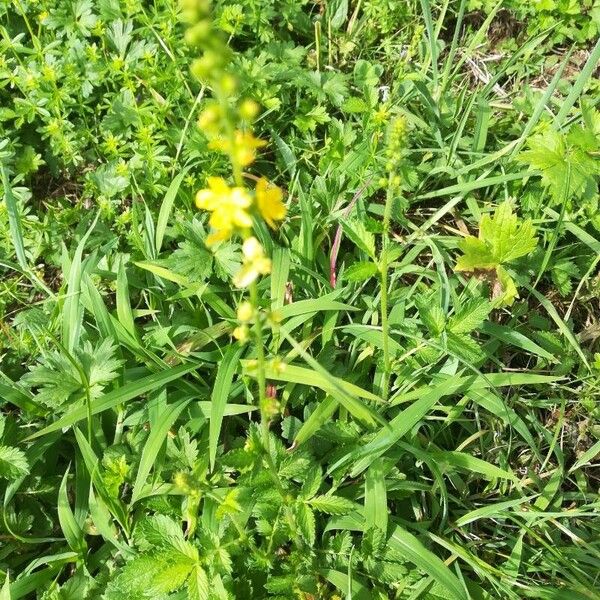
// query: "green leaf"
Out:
[412,549]
[476,255]
[14,218]
[332,505]
[73,533]
[360,271]
[72,312]
[360,236]
[562,161]
[502,238]
[376,510]
[154,443]
[13,463]
[5,592]
[469,316]
[431,314]
[198,586]
[465,461]
[219,397]
[116,397]
[305,518]
[165,209]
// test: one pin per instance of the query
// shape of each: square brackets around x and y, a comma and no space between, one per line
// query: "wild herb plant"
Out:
[298,300]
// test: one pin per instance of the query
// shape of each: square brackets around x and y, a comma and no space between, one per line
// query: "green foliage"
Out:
[502,239]
[133,463]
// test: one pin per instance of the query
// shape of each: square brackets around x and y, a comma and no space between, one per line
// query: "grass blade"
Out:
[220,394]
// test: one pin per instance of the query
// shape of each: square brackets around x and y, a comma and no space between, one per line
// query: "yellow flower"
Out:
[245,312]
[243,149]
[269,200]
[255,263]
[241,333]
[229,208]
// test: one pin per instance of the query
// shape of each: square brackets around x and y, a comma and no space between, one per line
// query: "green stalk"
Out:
[384,267]
[261,377]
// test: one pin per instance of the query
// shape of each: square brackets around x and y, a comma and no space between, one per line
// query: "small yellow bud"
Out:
[245,312]
[248,110]
[228,83]
[208,117]
[241,333]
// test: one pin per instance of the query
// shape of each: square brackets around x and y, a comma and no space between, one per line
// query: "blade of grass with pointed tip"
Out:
[491,511]
[124,312]
[72,313]
[399,426]
[376,511]
[584,76]
[462,460]
[68,524]
[14,219]
[165,210]
[316,420]
[220,394]
[562,326]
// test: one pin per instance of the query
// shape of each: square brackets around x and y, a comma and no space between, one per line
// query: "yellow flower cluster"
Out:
[242,149]
[228,208]
[231,207]
[255,263]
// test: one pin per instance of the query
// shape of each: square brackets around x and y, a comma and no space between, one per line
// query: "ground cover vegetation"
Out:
[299,299]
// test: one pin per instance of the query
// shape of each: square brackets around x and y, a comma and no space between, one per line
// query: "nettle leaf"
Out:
[312,482]
[360,271]
[155,574]
[564,160]
[305,519]
[464,346]
[360,236]
[563,272]
[13,462]
[198,585]
[477,255]
[332,505]
[507,238]
[431,314]
[160,531]
[470,316]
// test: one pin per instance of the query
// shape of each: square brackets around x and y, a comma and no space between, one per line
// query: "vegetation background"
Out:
[433,370]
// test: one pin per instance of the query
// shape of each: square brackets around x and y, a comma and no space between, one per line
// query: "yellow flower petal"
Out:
[252,249]
[269,200]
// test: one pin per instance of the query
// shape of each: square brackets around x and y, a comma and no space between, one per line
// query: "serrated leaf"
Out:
[360,236]
[502,238]
[332,505]
[563,161]
[476,255]
[13,462]
[305,519]
[198,586]
[360,271]
[470,316]
[431,314]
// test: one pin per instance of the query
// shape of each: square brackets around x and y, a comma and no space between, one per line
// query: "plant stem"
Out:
[384,267]
[261,378]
